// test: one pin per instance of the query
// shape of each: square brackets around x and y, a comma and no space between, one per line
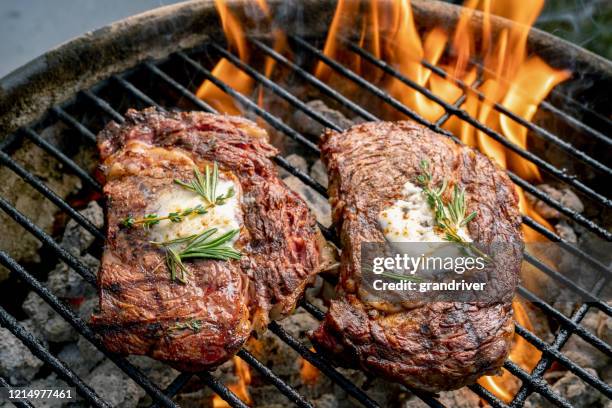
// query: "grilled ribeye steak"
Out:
[199,323]
[431,346]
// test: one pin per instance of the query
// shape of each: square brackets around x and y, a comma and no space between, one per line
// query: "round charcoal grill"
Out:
[159,58]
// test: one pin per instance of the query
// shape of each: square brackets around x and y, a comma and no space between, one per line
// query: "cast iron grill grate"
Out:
[109,97]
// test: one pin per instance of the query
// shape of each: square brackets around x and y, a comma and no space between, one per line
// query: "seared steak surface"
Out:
[143,311]
[431,346]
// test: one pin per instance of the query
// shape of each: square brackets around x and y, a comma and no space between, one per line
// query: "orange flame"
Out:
[523,353]
[224,70]
[309,374]
[240,387]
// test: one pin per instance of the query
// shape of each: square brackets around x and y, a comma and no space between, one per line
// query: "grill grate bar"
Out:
[543,133]
[323,366]
[447,115]
[40,351]
[573,367]
[180,88]
[66,118]
[560,174]
[174,387]
[61,157]
[296,102]
[222,390]
[128,86]
[568,283]
[579,218]
[42,188]
[287,390]
[551,108]
[566,322]
[577,123]
[103,106]
[273,120]
[47,240]
[308,77]
[82,328]
[574,215]
[560,339]
[540,385]
[485,394]
[530,222]
[21,404]
[502,109]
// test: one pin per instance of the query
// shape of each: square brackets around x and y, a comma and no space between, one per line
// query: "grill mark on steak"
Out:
[281,245]
[431,346]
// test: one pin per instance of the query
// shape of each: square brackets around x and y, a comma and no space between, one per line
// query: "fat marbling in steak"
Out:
[432,346]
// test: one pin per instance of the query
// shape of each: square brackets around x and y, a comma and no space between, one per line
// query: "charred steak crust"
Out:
[279,240]
[433,346]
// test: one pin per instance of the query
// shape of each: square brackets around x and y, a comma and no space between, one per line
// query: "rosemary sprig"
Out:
[206,185]
[195,325]
[201,246]
[449,217]
[400,277]
[153,219]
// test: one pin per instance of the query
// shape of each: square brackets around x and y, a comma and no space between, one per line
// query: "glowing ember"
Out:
[240,387]
[309,374]
[524,354]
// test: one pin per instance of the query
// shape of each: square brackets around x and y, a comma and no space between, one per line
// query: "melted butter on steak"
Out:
[411,219]
[225,217]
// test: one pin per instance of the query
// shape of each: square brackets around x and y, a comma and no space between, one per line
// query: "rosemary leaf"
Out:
[195,325]
[198,246]
[205,185]
[150,220]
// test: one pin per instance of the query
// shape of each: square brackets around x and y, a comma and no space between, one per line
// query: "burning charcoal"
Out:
[160,373]
[326,401]
[309,126]
[319,205]
[296,161]
[584,354]
[72,356]
[462,398]
[566,232]
[89,352]
[576,391]
[319,173]
[563,195]
[47,383]
[28,201]
[17,363]
[195,399]
[77,239]
[53,327]
[63,281]
[115,386]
